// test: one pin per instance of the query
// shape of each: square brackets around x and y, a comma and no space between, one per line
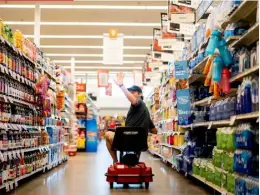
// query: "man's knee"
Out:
[109,136]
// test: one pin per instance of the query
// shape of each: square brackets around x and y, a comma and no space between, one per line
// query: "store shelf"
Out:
[245,11]
[16,51]
[223,123]
[232,39]
[250,37]
[49,75]
[171,146]
[249,72]
[213,186]
[200,66]
[196,78]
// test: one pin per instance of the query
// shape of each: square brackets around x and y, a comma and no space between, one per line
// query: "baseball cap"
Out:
[135,88]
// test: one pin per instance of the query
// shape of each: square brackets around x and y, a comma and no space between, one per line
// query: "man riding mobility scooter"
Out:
[130,142]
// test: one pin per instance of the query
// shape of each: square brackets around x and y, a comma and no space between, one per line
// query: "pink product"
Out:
[225,80]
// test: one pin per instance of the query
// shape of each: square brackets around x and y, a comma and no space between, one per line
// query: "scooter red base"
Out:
[123,174]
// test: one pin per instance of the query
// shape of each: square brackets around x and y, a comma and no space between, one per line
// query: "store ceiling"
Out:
[61,40]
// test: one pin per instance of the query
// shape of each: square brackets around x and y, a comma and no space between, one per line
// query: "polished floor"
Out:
[84,175]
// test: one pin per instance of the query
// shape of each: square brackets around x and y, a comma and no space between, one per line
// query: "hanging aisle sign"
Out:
[183,106]
[103,76]
[113,44]
[181,69]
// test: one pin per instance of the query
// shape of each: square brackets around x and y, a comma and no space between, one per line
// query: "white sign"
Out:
[113,50]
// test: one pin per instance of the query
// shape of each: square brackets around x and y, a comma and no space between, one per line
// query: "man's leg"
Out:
[109,140]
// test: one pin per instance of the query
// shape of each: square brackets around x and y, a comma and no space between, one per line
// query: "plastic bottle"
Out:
[255,96]
[247,96]
[225,53]
[217,67]
[238,102]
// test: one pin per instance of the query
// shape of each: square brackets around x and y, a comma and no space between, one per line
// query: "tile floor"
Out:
[84,175]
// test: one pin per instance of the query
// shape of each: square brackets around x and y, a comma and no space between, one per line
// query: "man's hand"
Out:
[119,79]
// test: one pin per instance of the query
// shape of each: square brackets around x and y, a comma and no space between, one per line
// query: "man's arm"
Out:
[152,128]
[119,81]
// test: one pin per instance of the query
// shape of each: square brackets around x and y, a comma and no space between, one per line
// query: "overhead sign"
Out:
[113,48]
[103,76]
[80,87]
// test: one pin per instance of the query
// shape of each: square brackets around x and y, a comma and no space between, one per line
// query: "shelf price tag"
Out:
[210,125]
[232,120]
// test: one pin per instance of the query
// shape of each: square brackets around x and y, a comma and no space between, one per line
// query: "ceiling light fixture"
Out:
[90,55]
[85,23]
[104,67]
[85,37]
[116,7]
[88,47]
[92,61]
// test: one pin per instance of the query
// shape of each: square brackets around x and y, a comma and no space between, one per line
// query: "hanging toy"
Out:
[208,65]
[209,76]
[225,80]
[214,40]
[225,53]
[216,91]
[216,69]
[211,88]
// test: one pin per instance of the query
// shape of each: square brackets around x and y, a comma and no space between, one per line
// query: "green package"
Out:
[210,171]
[231,180]
[224,180]
[203,169]
[228,161]
[217,179]
[217,157]
[196,167]
[230,139]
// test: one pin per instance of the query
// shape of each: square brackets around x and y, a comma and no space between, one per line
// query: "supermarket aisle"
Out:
[84,174]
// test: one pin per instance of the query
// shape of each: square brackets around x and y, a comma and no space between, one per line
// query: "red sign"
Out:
[80,87]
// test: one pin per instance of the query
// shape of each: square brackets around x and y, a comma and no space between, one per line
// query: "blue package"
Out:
[243,162]
[240,186]
[244,139]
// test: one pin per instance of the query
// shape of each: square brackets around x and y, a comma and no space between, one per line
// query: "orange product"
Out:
[207,66]
[180,140]
[216,90]
[175,140]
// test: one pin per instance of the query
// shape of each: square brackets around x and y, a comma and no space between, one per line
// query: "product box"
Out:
[186,29]
[171,44]
[183,18]
[164,57]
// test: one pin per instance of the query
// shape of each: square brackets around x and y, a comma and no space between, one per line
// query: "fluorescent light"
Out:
[139,24]
[17,6]
[105,67]
[92,61]
[116,7]
[88,47]
[85,37]
[91,55]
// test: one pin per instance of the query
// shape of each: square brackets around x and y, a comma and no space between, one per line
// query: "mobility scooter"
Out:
[130,142]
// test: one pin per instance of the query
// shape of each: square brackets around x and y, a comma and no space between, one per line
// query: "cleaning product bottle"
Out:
[255,96]
[225,53]
[216,69]
[238,102]
[247,96]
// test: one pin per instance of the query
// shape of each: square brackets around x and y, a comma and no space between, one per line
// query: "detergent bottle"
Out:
[225,53]
[214,40]
[247,96]
[238,102]
[254,95]
[216,69]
